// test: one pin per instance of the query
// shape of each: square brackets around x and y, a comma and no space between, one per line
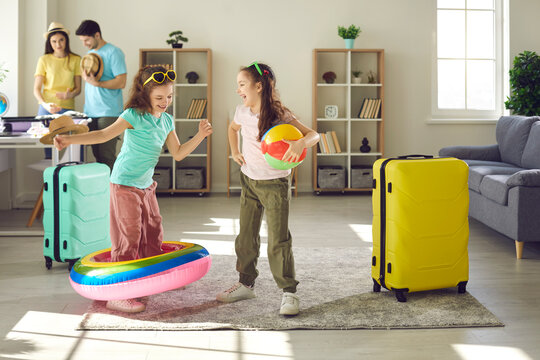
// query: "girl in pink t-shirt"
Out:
[263,187]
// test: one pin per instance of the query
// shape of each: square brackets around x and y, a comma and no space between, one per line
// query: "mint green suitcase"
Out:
[76,211]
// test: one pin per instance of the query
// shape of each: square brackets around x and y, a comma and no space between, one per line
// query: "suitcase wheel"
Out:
[400,296]
[462,287]
[376,286]
[71,263]
[48,263]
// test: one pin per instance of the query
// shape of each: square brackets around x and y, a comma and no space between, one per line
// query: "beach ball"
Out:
[273,147]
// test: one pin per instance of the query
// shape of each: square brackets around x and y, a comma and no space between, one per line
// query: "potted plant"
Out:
[349,34]
[3,73]
[192,77]
[525,85]
[371,77]
[175,38]
[329,77]
[356,76]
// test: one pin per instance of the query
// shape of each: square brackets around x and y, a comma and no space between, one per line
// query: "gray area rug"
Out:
[335,293]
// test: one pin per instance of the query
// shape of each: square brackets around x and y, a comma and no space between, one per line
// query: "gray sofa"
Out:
[504,179]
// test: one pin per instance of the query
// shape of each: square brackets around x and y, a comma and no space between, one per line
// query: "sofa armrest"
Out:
[486,152]
[530,178]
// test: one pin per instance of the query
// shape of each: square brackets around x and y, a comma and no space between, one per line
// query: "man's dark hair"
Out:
[88,28]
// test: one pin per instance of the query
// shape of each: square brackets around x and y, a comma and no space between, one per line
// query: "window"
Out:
[468,69]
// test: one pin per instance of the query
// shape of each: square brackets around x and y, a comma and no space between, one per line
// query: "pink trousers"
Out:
[136,230]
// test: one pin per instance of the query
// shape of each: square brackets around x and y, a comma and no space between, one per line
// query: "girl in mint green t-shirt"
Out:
[136,230]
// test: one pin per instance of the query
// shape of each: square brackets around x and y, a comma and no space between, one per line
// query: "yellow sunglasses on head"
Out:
[159,76]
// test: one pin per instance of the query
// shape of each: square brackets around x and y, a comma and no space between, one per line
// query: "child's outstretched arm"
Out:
[180,151]
[93,137]
[232,133]
[311,137]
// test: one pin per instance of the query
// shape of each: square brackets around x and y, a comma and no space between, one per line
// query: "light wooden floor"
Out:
[39,310]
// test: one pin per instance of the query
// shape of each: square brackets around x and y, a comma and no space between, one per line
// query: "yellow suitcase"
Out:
[420,224]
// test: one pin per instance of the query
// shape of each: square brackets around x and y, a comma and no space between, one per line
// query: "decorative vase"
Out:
[365,148]
[177,46]
[357,80]
[349,43]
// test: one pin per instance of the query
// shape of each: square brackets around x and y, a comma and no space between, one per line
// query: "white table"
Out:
[23,141]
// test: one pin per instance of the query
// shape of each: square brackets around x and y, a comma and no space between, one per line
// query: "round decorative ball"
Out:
[274,147]
[4,104]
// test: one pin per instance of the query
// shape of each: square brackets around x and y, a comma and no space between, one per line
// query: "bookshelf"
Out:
[346,124]
[191,103]
[233,172]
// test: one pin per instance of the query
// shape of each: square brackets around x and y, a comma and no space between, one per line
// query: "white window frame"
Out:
[445,116]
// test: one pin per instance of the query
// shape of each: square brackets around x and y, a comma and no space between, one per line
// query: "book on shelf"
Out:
[200,114]
[196,109]
[323,143]
[190,109]
[320,143]
[363,112]
[336,142]
[373,110]
[377,113]
[370,108]
[330,141]
[361,108]
[326,146]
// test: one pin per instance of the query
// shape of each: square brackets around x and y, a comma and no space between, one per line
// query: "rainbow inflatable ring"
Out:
[95,277]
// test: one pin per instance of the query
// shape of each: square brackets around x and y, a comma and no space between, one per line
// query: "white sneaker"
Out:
[290,304]
[237,292]
[128,305]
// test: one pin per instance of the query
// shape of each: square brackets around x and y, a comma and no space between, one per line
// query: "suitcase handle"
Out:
[415,156]
[68,163]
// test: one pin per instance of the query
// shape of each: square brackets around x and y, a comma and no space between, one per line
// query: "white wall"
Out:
[283,33]
[523,26]
[9,57]
[9,52]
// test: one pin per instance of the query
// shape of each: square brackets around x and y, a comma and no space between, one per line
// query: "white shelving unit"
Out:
[348,96]
[183,61]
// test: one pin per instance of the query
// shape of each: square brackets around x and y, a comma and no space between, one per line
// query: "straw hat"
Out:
[55,26]
[92,63]
[61,125]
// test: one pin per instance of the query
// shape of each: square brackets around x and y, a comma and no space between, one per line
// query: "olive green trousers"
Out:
[272,196]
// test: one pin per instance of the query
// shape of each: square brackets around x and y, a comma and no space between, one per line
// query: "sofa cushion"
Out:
[529,178]
[531,152]
[477,173]
[512,133]
[482,152]
[494,188]
[486,163]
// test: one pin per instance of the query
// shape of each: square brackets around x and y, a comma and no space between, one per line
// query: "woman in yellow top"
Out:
[58,73]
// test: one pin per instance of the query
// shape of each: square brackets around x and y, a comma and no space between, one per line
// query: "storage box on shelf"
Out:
[331,177]
[190,178]
[191,103]
[359,114]
[162,176]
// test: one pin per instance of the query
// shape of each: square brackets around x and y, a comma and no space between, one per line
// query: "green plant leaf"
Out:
[525,85]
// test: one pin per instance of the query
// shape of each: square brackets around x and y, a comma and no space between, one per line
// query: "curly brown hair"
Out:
[272,110]
[139,95]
